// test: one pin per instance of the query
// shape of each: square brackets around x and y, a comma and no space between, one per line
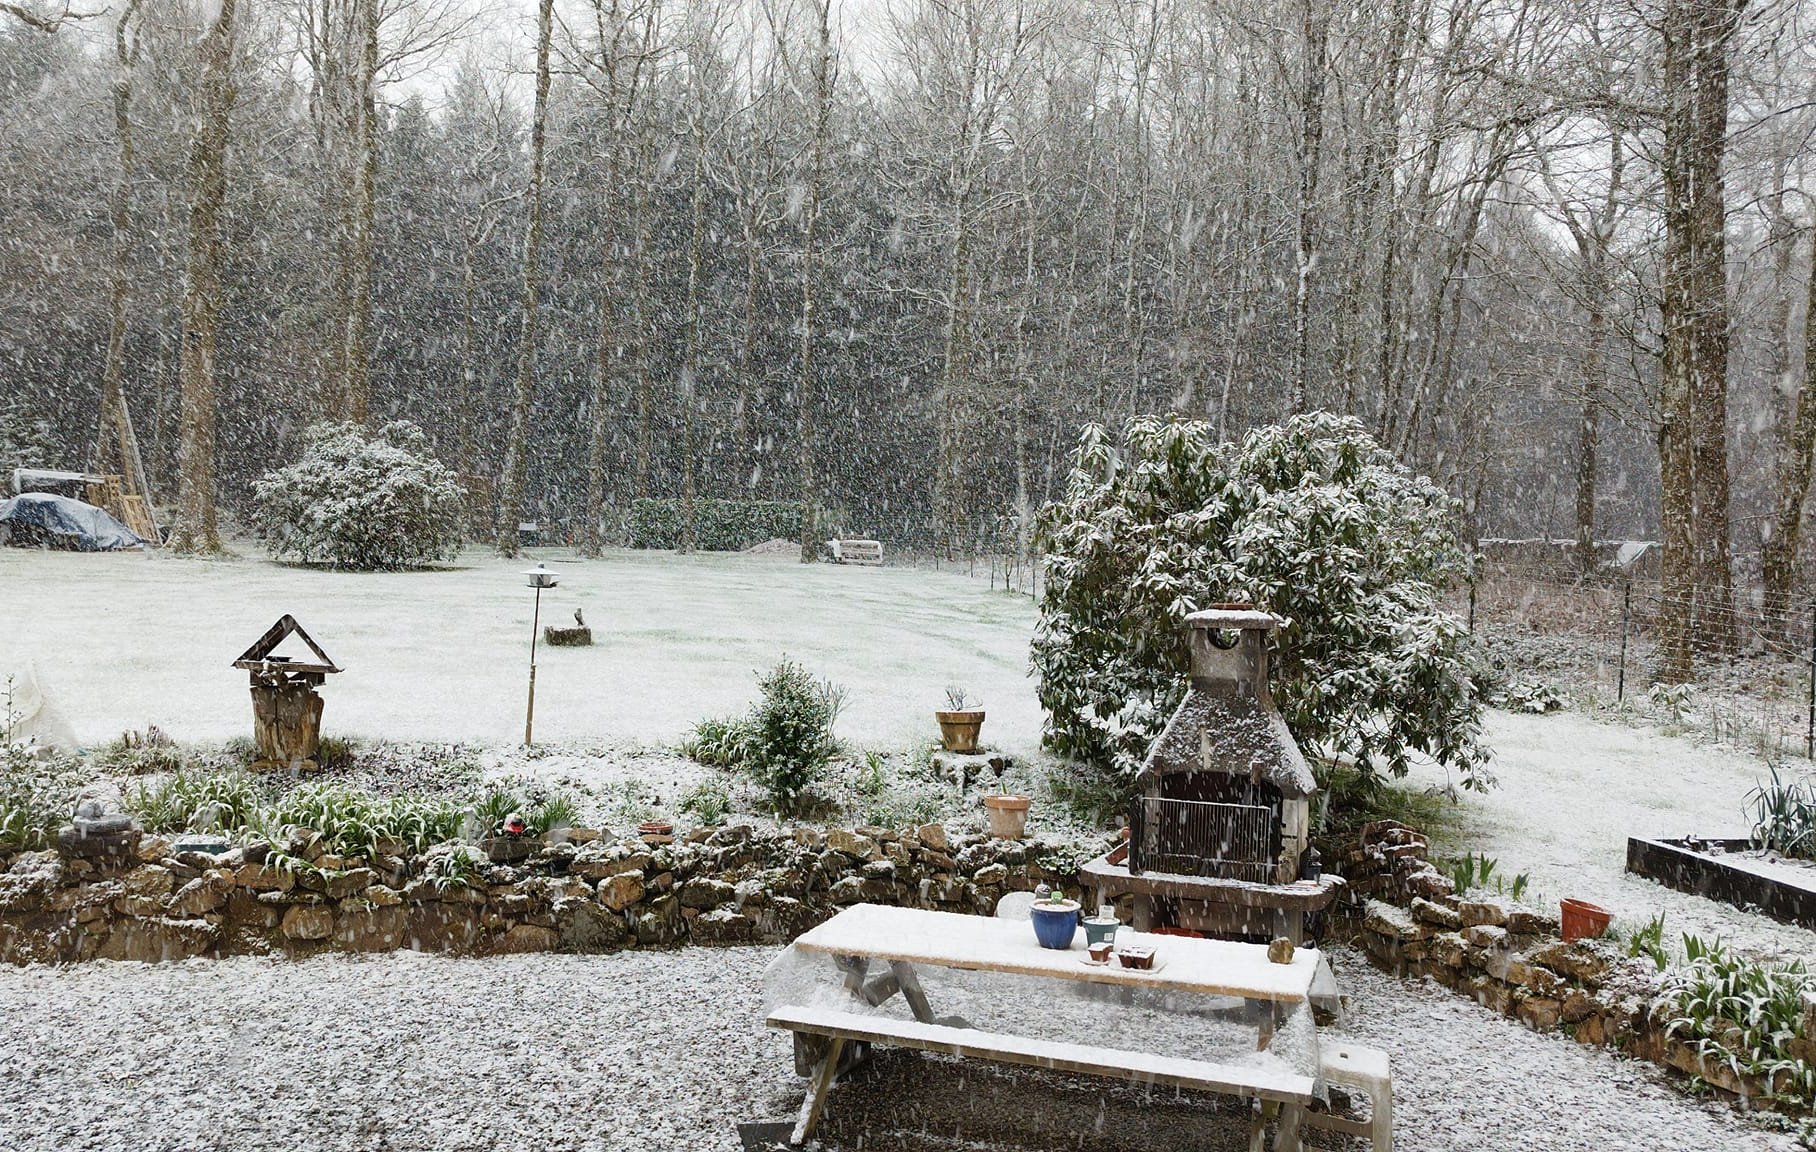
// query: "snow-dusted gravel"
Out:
[1465,1078]
[400,1053]
[645,1051]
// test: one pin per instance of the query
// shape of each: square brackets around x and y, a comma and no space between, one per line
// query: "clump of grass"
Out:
[710,802]
[1471,871]
[543,810]
[355,823]
[135,753]
[720,742]
[1351,799]
[194,802]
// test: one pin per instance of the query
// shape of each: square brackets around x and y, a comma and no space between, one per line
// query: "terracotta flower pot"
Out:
[1008,815]
[1583,920]
[958,730]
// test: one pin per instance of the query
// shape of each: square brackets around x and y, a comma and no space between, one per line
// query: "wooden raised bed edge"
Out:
[1700,874]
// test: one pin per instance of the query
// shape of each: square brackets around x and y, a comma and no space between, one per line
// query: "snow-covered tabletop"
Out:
[955,940]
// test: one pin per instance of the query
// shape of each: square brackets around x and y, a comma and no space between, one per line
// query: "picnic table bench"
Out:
[877,952]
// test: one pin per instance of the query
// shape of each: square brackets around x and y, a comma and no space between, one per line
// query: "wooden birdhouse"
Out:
[286,712]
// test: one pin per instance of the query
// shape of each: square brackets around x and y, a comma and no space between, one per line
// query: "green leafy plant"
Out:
[1743,1015]
[554,812]
[1649,941]
[709,803]
[722,743]
[1470,871]
[137,753]
[1310,518]
[455,867]
[187,802]
[1534,696]
[1784,815]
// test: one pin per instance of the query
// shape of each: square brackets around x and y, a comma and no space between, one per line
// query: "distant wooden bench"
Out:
[1292,1090]
[855,551]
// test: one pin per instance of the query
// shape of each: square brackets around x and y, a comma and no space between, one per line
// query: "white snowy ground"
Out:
[118,641]
[1572,789]
[417,1053]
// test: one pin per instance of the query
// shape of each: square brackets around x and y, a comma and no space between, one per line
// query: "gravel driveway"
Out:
[657,1051]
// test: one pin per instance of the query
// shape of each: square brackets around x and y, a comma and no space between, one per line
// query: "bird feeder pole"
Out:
[540,578]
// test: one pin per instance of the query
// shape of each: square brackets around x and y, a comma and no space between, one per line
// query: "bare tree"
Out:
[196,530]
[515,471]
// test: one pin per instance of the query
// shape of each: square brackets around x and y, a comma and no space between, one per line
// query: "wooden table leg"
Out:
[1286,1136]
[1268,1012]
[815,1103]
[910,985]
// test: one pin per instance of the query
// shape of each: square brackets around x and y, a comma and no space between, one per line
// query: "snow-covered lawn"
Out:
[646,1050]
[119,641]
[1572,789]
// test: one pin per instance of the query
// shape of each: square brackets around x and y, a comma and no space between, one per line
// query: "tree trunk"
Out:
[516,452]
[1798,441]
[113,444]
[356,355]
[808,386]
[1697,590]
[201,309]
[690,363]
[1311,136]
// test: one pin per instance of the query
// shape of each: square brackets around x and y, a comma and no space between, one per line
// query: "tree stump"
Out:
[286,724]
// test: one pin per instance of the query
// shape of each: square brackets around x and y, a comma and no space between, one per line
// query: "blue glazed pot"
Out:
[1055,924]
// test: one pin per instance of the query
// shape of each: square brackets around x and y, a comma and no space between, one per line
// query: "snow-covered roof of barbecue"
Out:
[1235,734]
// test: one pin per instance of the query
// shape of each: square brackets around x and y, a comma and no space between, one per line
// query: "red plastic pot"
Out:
[1583,920]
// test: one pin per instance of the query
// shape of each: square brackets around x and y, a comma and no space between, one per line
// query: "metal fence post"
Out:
[1809,724]
[1620,686]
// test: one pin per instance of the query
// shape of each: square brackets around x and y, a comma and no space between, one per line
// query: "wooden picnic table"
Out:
[880,952]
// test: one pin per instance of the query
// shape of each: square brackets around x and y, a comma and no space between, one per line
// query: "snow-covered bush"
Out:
[1310,519]
[25,442]
[784,742]
[377,500]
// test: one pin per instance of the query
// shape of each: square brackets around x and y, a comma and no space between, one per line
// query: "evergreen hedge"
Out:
[719,525]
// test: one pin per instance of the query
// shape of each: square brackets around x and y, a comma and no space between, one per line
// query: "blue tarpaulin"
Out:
[34,519]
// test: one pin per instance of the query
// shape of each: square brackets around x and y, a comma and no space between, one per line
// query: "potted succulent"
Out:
[1055,919]
[1008,813]
[960,722]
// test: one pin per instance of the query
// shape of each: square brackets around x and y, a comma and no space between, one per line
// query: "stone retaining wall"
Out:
[1512,959]
[733,885]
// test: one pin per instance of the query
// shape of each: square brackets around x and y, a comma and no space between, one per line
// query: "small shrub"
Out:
[1533,696]
[790,734]
[364,501]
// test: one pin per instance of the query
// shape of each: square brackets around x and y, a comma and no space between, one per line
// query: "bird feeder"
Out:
[286,712]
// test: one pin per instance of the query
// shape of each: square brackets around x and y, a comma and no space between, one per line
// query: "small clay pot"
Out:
[958,730]
[1583,920]
[1008,815]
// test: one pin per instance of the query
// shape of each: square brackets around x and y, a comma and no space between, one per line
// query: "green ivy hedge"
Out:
[719,525]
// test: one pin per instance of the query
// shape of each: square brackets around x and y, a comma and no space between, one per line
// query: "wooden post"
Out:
[529,716]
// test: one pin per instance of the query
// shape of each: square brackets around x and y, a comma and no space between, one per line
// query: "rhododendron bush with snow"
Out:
[359,499]
[1311,520]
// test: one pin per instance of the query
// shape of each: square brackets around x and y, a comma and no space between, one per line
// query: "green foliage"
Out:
[1351,798]
[1310,519]
[720,742]
[719,525]
[1784,815]
[1649,941]
[1472,871]
[543,809]
[788,734]
[38,788]
[184,802]
[353,822]
[365,501]
[709,803]
[452,866]
[1095,798]
[1743,1014]
[1534,696]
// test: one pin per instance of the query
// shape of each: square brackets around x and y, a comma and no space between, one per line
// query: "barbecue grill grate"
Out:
[1201,838]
